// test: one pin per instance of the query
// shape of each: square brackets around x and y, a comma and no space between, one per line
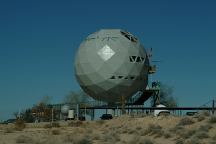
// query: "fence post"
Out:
[213,106]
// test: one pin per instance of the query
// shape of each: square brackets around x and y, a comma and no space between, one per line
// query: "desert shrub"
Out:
[77,139]
[167,135]
[177,129]
[179,141]
[193,141]
[47,126]
[75,123]
[134,139]
[138,128]
[124,131]
[145,141]
[132,131]
[19,125]
[214,137]
[201,135]
[9,130]
[56,131]
[212,142]
[96,137]
[154,130]
[212,119]
[200,118]
[50,125]
[110,137]
[186,121]
[185,134]
[100,122]
[205,113]
[24,139]
[89,130]
[204,128]
[55,124]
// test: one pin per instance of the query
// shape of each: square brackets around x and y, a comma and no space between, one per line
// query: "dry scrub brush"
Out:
[24,139]
[9,130]
[56,131]
[75,123]
[193,140]
[201,135]
[19,125]
[140,140]
[205,128]
[185,121]
[77,139]
[212,119]
[153,129]
[186,134]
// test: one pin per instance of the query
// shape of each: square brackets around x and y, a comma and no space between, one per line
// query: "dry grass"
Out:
[122,130]
[176,129]
[9,130]
[212,120]
[19,125]
[200,118]
[78,139]
[185,121]
[75,123]
[47,126]
[155,130]
[212,142]
[56,132]
[201,135]
[185,134]
[179,141]
[167,135]
[193,141]
[140,140]
[205,128]
[24,139]
[50,125]
[55,124]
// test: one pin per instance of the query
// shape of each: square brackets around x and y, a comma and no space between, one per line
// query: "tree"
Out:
[27,115]
[166,96]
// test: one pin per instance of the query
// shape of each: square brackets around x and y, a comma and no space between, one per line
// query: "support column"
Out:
[77,111]
[123,104]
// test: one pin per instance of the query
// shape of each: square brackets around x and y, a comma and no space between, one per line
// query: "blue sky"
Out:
[38,41]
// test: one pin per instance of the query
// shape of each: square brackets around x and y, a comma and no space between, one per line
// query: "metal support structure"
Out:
[123,105]
[52,115]
[92,114]
[213,106]
[77,111]
[157,97]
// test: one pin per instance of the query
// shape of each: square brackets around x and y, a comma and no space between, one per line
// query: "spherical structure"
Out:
[111,64]
[65,109]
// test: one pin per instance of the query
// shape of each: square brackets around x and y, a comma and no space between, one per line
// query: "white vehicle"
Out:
[161,112]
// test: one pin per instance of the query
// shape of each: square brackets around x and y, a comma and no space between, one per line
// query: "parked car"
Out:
[106,116]
[160,112]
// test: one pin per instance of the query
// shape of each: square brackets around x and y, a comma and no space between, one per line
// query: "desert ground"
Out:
[198,129]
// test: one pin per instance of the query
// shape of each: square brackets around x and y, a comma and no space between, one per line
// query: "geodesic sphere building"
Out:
[111,64]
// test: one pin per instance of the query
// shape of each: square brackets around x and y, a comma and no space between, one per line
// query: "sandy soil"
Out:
[125,129]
